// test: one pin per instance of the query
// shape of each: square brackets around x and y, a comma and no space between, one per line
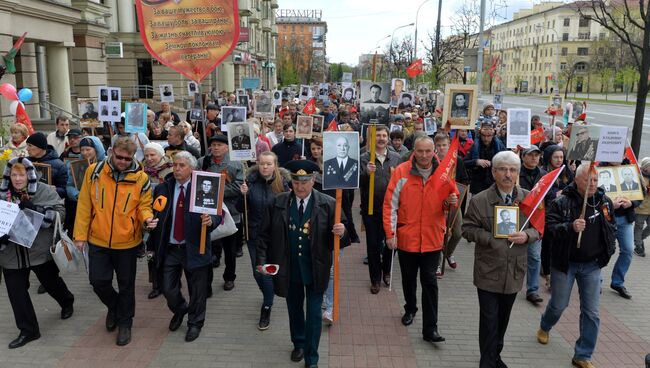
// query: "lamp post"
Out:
[415,50]
[390,52]
[557,54]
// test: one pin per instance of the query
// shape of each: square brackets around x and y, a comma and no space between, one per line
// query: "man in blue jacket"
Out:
[478,160]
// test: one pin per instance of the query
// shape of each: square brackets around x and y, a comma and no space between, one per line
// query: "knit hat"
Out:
[87,142]
[645,163]
[156,147]
[31,175]
[38,139]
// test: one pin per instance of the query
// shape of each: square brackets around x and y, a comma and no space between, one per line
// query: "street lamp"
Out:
[390,52]
[538,28]
[415,51]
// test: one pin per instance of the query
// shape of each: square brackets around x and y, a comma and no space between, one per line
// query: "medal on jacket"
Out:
[306,228]
[605,210]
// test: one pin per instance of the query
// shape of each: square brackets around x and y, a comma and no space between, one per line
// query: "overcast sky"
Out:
[355,27]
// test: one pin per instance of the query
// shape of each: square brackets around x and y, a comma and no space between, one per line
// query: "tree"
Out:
[629,22]
[399,56]
[626,78]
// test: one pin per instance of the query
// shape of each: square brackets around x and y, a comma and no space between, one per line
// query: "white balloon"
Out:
[14,106]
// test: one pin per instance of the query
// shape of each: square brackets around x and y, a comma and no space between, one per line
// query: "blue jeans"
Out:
[328,299]
[625,237]
[587,275]
[534,266]
[265,283]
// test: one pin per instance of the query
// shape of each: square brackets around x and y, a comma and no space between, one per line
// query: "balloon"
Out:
[9,91]
[25,94]
[13,107]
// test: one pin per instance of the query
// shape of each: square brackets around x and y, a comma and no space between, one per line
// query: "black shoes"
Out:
[386,278]
[239,252]
[111,321]
[123,336]
[639,251]
[434,337]
[228,285]
[407,318]
[23,340]
[622,291]
[265,318]
[66,312]
[297,354]
[154,294]
[177,320]
[534,298]
[192,333]
[375,287]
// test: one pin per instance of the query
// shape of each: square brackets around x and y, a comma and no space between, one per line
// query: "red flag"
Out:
[536,135]
[493,68]
[23,118]
[310,107]
[533,205]
[333,126]
[445,174]
[415,68]
[629,154]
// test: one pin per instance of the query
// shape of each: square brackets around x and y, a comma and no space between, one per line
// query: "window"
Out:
[583,51]
[584,35]
[551,52]
[567,22]
[565,51]
[584,22]
[580,66]
[562,66]
[565,36]
[601,36]
[553,23]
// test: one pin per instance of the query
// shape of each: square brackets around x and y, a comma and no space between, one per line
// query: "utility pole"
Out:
[481,38]
[436,54]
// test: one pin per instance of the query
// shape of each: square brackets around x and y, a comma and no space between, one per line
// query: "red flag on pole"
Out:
[445,174]
[415,68]
[310,107]
[533,205]
[493,68]
[333,126]
[23,118]
[536,135]
[629,154]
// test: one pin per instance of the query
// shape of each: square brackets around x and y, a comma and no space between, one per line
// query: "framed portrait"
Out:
[305,92]
[583,143]
[242,100]
[78,170]
[460,106]
[207,192]
[406,100]
[577,108]
[241,141]
[323,91]
[166,92]
[394,127]
[346,77]
[136,117]
[196,114]
[620,181]
[506,221]
[317,125]
[348,95]
[518,124]
[232,114]
[304,126]
[43,172]
[340,160]
[277,97]
[263,104]
[430,126]
[375,98]
[423,90]
[555,101]
[192,88]
[89,113]
[498,101]
[397,86]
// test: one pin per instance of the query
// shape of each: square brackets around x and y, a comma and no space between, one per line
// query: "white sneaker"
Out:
[451,261]
[327,318]
[439,272]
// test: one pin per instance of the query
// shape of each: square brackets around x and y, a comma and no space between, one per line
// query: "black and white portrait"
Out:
[606,180]
[263,104]
[397,86]
[340,160]
[166,93]
[114,105]
[323,91]
[430,126]
[317,125]
[406,100]
[136,118]
[348,95]
[555,101]
[192,88]
[498,101]
[507,221]
[241,141]
[375,97]
[305,92]
[233,114]
[88,110]
[207,193]
[423,90]
[103,94]
[304,126]
[583,143]
[115,95]
[460,105]
[395,127]
[518,132]
[277,98]
[577,109]
[196,114]
[242,100]
[628,179]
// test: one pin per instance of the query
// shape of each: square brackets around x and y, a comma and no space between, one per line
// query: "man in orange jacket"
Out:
[414,223]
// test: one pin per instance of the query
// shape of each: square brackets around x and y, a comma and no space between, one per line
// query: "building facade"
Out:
[302,37]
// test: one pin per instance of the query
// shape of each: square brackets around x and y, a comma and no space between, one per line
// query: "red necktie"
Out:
[179,221]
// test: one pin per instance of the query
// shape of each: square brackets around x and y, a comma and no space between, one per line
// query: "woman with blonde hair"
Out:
[264,181]
[18,141]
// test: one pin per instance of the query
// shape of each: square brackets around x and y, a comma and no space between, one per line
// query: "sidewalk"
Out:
[369,333]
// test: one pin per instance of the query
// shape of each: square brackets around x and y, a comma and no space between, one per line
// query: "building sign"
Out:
[114,50]
[244,34]
[192,36]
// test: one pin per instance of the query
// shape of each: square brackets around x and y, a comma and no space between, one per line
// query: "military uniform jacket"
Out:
[275,246]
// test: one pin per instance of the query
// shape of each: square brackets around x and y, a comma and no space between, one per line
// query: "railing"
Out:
[56,110]
[141,91]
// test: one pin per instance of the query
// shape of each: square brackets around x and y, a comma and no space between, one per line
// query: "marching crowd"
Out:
[133,201]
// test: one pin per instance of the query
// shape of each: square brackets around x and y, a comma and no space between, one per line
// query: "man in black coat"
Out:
[176,244]
[297,235]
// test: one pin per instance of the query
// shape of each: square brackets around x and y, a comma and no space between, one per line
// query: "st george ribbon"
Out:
[189,36]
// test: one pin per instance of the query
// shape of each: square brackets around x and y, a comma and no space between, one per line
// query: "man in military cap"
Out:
[303,221]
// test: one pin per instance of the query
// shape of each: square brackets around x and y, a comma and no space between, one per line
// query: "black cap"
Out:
[218,138]
[301,170]
[74,132]
[38,139]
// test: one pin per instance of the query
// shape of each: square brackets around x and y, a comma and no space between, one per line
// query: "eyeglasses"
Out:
[503,170]
[123,158]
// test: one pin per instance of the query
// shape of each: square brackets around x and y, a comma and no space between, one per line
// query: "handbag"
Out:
[66,256]
[227,226]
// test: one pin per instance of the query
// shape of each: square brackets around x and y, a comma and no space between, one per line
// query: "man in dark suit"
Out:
[341,171]
[176,243]
[628,180]
[605,181]
[506,227]
[241,141]
[297,234]
[375,93]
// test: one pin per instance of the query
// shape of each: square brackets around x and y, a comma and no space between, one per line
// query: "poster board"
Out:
[207,192]
[621,181]
[518,124]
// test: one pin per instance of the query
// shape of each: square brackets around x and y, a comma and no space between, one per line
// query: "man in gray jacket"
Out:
[498,268]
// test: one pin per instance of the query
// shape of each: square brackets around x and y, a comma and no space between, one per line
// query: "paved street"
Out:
[369,333]
[598,113]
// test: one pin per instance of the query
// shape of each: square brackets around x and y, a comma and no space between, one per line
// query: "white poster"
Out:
[518,128]
[8,213]
[25,227]
[611,144]
[166,93]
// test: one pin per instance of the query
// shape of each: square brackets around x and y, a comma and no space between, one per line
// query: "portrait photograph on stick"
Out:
[406,100]
[232,114]
[277,97]
[555,101]
[374,97]
[583,143]
[620,181]
[241,142]
[207,192]
[166,93]
[518,123]
[317,125]
[304,126]
[460,106]
[262,104]
[136,117]
[397,86]
[89,113]
[192,88]
[506,221]
[340,160]
[348,95]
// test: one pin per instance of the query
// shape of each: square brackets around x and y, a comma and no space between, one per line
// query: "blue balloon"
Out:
[25,94]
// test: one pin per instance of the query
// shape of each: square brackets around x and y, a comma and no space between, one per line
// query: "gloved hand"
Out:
[27,204]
